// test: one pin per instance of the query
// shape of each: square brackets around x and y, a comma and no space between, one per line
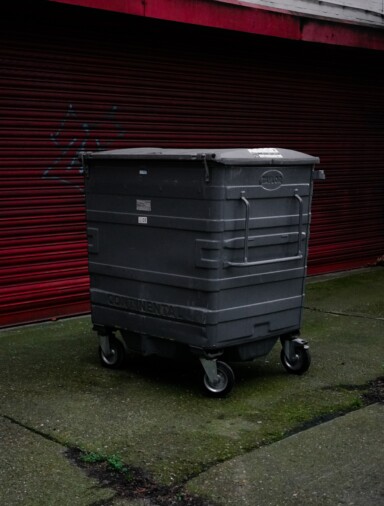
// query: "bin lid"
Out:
[233,156]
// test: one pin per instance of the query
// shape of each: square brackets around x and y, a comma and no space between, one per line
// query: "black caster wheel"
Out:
[224,383]
[300,363]
[116,358]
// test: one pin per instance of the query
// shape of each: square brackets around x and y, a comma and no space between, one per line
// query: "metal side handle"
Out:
[245,263]
[246,233]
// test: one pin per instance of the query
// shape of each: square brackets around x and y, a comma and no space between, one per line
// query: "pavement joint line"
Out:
[340,313]
[48,437]
[74,455]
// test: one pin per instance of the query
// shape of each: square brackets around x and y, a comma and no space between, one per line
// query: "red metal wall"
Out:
[91,81]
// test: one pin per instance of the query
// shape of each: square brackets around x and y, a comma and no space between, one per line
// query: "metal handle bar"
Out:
[245,263]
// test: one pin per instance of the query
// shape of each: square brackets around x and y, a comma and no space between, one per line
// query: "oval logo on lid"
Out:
[271,179]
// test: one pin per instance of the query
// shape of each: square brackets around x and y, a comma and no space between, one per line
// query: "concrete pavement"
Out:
[152,420]
[34,471]
[339,462]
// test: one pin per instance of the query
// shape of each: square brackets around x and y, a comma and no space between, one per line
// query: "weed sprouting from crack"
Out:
[113,461]
[131,482]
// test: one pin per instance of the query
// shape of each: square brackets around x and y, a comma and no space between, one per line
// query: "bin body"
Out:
[203,248]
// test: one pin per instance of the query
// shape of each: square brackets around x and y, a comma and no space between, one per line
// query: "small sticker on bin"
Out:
[143,205]
[143,220]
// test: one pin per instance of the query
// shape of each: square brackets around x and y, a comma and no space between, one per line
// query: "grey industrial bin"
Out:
[199,251]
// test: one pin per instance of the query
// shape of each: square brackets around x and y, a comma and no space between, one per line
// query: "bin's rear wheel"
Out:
[224,383]
[116,358]
[301,362]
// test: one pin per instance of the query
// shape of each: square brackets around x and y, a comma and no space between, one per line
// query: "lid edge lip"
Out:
[219,156]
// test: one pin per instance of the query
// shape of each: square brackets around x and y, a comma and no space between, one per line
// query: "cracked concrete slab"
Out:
[35,471]
[336,463]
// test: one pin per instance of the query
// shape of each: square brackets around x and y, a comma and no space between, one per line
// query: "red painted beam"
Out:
[342,34]
[237,16]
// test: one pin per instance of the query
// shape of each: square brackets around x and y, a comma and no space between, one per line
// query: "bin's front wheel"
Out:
[116,357]
[299,364]
[224,383]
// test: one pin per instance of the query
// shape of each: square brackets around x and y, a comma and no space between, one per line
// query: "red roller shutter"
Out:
[64,88]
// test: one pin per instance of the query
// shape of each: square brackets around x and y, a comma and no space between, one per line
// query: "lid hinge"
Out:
[207,173]
[83,157]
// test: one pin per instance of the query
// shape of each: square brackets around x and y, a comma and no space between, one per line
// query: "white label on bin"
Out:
[143,220]
[265,152]
[143,205]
